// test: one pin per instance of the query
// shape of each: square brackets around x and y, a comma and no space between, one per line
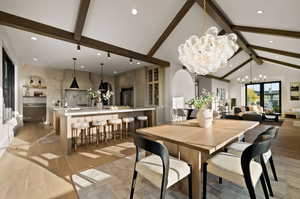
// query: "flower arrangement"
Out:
[94,95]
[202,101]
[106,96]
[99,96]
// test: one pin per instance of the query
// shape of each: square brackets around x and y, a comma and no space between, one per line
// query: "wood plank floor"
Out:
[34,166]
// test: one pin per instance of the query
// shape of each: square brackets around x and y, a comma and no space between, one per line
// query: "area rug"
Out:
[113,181]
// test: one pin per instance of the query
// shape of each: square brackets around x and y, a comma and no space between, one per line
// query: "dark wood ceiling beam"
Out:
[222,32]
[281,62]
[276,51]
[56,33]
[215,77]
[237,52]
[223,21]
[236,68]
[82,13]
[179,16]
[269,31]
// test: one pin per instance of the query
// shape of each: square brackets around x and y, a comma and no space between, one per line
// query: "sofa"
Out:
[251,113]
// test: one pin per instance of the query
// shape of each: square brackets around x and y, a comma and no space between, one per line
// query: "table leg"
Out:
[195,158]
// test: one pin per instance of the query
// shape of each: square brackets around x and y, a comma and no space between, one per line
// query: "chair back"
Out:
[261,146]
[272,132]
[157,149]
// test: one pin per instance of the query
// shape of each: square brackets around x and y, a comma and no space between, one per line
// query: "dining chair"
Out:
[237,148]
[243,171]
[160,168]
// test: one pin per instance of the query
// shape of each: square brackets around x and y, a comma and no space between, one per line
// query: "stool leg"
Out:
[121,131]
[114,132]
[126,129]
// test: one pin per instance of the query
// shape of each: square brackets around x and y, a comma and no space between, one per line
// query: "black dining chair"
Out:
[243,171]
[238,148]
[159,168]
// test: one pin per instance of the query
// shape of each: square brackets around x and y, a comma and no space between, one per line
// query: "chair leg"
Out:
[263,184]
[133,184]
[204,181]
[266,175]
[273,168]
[220,180]
[190,179]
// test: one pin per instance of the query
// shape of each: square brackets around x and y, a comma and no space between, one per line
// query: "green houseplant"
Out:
[201,103]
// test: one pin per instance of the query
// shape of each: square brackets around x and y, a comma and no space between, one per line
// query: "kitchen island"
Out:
[68,117]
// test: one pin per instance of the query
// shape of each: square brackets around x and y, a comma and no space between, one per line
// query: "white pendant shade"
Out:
[208,53]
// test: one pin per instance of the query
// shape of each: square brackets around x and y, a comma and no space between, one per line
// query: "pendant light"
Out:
[74,82]
[103,85]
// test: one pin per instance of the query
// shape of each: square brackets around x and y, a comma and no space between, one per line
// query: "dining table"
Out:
[195,145]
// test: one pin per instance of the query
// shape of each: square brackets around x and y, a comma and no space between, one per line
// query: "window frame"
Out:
[262,88]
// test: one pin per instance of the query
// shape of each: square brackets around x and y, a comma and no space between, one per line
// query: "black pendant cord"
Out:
[251,72]
[102,72]
[74,74]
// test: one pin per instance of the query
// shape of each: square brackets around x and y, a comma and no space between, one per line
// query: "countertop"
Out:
[95,111]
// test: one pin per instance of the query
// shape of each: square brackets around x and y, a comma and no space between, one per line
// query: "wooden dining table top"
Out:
[190,135]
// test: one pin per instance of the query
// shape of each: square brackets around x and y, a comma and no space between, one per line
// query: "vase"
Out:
[205,118]
[99,105]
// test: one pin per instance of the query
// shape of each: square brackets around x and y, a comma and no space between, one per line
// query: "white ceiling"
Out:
[279,14]
[112,22]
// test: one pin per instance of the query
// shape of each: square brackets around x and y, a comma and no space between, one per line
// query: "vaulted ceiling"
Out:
[113,23]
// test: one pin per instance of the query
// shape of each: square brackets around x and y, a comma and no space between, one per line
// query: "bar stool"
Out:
[81,130]
[116,128]
[127,121]
[142,120]
[100,130]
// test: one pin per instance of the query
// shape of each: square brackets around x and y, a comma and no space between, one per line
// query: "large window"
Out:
[265,94]
[8,78]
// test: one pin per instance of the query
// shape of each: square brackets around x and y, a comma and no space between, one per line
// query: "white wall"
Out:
[6,129]
[274,73]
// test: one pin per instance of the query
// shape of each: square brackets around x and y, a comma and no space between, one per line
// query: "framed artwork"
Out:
[295,91]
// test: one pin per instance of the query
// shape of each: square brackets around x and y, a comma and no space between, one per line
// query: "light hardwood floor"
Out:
[35,167]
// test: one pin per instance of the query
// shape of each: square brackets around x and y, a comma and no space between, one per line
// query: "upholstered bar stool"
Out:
[143,121]
[116,128]
[100,130]
[81,130]
[127,121]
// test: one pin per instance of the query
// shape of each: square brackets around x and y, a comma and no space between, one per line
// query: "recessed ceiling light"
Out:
[270,41]
[115,72]
[138,63]
[33,38]
[82,66]
[35,59]
[134,11]
[259,11]
[99,54]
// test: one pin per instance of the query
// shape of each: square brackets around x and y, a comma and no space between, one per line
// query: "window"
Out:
[8,78]
[265,94]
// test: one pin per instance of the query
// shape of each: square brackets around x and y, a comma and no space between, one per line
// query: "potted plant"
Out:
[204,114]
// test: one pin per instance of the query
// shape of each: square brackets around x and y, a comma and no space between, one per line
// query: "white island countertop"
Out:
[95,111]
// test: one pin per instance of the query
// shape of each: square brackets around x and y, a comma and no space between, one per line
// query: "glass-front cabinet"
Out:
[153,82]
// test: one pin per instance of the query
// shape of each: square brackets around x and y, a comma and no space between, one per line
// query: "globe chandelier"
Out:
[208,53]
